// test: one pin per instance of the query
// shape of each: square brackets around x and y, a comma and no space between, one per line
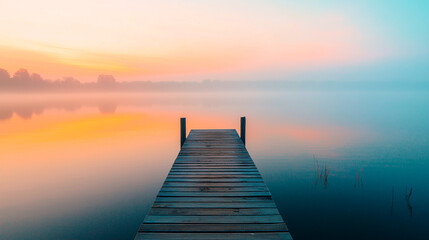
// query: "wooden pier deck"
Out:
[213,191]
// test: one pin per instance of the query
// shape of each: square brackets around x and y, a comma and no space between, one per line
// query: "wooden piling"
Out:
[182,131]
[243,130]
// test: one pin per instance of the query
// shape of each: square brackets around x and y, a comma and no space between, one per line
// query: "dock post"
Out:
[182,131]
[243,130]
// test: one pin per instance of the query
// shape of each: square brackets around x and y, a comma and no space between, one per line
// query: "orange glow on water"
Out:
[65,153]
[301,133]
[325,135]
[76,129]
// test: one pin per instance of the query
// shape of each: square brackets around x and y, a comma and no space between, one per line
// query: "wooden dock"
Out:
[213,191]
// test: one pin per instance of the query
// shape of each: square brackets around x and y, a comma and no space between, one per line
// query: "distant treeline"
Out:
[23,81]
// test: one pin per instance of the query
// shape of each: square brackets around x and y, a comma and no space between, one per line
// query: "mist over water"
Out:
[339,164]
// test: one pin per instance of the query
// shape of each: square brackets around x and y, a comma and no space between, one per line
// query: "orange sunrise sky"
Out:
[186,40]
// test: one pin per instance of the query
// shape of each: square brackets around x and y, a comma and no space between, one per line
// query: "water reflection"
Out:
[70,163]
[407,199]
[320,173]
[107,107]
[28,106]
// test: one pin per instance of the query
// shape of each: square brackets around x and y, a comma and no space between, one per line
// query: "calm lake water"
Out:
[340,165]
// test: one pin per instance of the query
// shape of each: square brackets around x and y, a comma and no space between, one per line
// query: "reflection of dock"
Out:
[213,191]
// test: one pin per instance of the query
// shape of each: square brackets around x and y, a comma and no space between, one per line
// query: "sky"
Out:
[222,40]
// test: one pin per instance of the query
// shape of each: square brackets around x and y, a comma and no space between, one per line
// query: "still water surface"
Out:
[340,165]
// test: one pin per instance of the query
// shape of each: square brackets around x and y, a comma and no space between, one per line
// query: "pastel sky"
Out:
[196,40]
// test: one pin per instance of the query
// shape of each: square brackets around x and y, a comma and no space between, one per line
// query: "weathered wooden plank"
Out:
[201,142]
[213,219]
[214,169]
[226,162]
[262,204]
[210,146]
[214,157]
[218,157]
[216,138]
[214,151]
[214,164]
[213,180]
[220,160]
[211,176]
[211,173]
[213,194]
[214,184]
[215,199]
[213,211]
[219,153]
[215,236]
[213,189]
[217,228]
